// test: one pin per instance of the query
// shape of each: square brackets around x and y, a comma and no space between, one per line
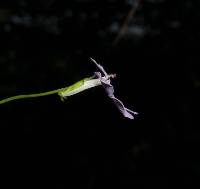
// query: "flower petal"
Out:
[110,91]
[99,66]
[121,108]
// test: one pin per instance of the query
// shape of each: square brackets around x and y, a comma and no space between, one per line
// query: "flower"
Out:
[106,83]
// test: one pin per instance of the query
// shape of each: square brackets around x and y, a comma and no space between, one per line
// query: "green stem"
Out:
[30,96]
[68,89]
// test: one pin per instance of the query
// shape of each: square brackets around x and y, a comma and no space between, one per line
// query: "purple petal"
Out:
[108,88]
[110,91]
[106,83]
[135,113]
[99,66]
[126,112]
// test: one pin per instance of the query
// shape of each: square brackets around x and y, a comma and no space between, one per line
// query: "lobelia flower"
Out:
[83,85]
[106,83]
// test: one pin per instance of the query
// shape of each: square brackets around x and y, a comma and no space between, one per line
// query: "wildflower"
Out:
[106,83]
[82,85]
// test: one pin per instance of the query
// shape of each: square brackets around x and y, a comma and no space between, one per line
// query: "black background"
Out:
[85,142]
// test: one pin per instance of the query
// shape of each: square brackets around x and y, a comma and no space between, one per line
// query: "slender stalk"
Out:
[29,96]
[77,87]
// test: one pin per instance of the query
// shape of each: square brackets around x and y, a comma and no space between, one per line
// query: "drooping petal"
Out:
[121,108]
[110,91]
[128,110]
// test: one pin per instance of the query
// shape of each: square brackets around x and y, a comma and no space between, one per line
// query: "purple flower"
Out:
[106,83]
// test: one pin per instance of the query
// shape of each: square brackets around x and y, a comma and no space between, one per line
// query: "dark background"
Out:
[85,142]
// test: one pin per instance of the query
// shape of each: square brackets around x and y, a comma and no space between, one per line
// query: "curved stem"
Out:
[67,89]
[29,96]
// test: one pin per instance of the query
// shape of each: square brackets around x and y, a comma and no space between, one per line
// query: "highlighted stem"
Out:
[29,96]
